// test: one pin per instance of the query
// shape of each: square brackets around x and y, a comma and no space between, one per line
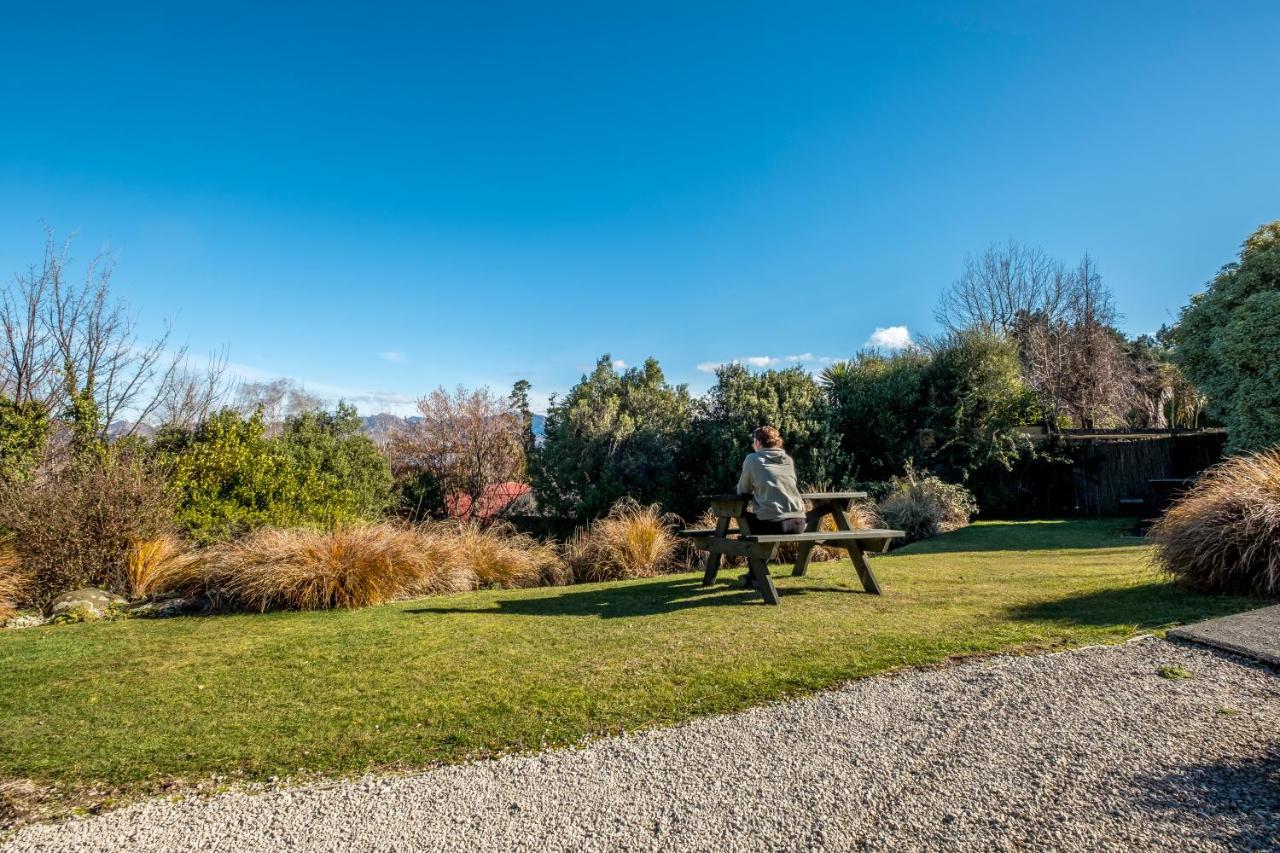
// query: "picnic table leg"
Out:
[713,558]
[868,577]
[762,582]
[856,553]
[758,564]
[802,559]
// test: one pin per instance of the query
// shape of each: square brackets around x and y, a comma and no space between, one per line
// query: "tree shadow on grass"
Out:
[1147,606]
[1053,535]
[1239,798]
[612,601]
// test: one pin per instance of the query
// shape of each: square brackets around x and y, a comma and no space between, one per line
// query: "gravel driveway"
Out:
[1091,749]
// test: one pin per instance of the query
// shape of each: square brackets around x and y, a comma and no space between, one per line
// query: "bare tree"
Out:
[1075,358]
[276,400]
[1002,286]
[466,441]
[74,350]
[194,392]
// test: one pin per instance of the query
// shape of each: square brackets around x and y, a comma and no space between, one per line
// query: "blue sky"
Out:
[376,200]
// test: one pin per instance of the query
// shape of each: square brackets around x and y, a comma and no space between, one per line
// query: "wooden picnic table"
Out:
[759,549]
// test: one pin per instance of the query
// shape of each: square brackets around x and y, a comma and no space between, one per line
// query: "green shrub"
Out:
[1227,341]
[877,409]
[230,477]
[741,400]
[922,505]
[24,433]
[614,435]
[1224,534]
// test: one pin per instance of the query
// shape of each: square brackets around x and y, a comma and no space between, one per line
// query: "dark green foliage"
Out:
[230,477]
[1227,341]
[420,497]
[614,435]
[24,432]
[742,400]
[345,471]
[877,410]
[955,406]
[976,403]
[520,403]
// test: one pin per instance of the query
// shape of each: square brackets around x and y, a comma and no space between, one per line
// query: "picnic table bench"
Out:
[760,549]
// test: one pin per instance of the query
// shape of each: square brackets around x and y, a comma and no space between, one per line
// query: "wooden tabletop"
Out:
[809,496]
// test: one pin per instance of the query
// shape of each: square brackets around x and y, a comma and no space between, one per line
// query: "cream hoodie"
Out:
[769,476]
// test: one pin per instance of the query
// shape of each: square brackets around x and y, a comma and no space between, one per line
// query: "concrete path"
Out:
[1086,750]
[1255,634]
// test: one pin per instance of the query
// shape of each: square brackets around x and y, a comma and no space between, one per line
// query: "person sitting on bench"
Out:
[769,476]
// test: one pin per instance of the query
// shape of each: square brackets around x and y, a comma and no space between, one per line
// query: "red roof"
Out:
[495,499]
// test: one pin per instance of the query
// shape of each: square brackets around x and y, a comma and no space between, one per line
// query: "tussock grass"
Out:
[14,582]
[152,565]
[302,569]
[1224,535]
[499,556]
[355,566]
[632,541]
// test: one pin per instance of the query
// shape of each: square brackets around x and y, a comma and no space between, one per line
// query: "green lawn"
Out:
[128,706]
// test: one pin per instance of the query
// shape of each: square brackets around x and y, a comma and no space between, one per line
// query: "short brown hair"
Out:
[767,436]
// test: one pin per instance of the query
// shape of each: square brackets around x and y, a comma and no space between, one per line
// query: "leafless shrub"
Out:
[1001,286]
[74,523]
[465,442]
[275,400]
[1224,535]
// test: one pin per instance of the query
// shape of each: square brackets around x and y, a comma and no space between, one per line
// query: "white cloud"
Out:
[763,361]
[393,356]
[890,338]
[619,364]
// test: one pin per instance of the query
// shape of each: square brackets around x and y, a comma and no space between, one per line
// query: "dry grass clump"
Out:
[162,564]
[922,505]
[632,541]
[499,556]
[863,515]
[302,569]
[15,584]
[1224,535]
[356,566]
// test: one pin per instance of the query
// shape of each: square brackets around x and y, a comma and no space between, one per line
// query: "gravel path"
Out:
[1090,749]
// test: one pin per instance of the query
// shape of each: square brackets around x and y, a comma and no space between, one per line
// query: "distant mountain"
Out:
[539,425]
[120,428]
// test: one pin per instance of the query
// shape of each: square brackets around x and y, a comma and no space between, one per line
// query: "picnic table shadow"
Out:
[608,601]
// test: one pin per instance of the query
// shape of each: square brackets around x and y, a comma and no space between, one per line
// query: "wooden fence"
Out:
[1107,469]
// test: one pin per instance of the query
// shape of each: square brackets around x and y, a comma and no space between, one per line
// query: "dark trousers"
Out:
[773,528]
